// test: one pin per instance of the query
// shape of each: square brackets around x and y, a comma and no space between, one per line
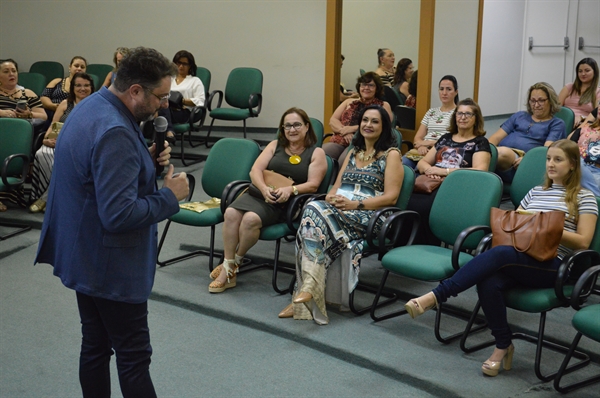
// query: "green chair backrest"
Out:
[16,136]
[330,176]
[408,184]
[36,82]
[319,130]
[494,159]
[464,199]
[595,245]
[100,70]
[530,173]
[97,81]
[50,69]
[240,84]
[205,76]
[362,71]
[567,116]
[230,159]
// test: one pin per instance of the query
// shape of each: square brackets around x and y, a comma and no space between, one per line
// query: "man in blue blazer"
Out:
[100,230]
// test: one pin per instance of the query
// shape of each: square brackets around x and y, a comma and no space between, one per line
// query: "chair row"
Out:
[467,193]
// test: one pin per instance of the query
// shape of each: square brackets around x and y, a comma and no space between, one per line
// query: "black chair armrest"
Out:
[584,286]
[197,117]
[393,224]
[484,244]
[254,97]
[460,240]
[295,208]
[192,186]
[219,94]
[24,171]
[409,145]
[568,270]
[231,192]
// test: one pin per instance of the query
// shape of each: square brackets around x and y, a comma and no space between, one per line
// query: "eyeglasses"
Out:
[367,85]
[468,115]
[296,126]
[540,101]
[83,85]
[182,64]
[163,98]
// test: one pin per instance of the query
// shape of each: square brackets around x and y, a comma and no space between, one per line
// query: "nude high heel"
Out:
[217,286]
[415,307]
[491,368]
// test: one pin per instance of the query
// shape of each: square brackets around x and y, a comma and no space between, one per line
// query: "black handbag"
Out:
[175,100]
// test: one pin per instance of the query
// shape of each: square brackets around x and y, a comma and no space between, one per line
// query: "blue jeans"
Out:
[107,324]
[410,163]
[494,271]
[590,177]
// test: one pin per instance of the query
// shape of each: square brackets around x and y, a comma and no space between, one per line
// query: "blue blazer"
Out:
[99,229]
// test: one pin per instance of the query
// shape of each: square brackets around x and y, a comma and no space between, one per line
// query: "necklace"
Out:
[10,95]
[361,156]
[295,158]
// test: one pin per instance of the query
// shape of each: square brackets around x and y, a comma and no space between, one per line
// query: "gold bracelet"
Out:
[447,171]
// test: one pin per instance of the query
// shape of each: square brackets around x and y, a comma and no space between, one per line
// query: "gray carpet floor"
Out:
[233,344]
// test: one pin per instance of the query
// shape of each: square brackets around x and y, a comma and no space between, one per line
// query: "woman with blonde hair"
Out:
[117,57]
[503,267]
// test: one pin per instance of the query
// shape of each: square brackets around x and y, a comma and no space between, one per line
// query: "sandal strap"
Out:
[231,271]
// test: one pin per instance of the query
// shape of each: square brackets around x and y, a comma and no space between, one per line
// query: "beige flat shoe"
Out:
[37,206]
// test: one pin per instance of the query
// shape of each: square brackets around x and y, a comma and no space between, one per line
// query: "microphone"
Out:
[160,128]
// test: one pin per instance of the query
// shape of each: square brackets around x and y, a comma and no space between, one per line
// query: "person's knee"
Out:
[506,158]
[251,221]
[232,216]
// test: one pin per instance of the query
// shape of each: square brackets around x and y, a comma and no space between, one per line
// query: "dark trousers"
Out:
[494,271]
[108,325]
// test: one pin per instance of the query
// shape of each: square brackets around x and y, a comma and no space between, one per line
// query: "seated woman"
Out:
[404,72]
[346,118]
[411,100]
[16,101]
[385,69]
[435,122]
[503,267]
[583,94]
[295,155]
[528,129]
[81,86]
[587,136]
[117,57]
[190,87]
[58,89]
[371,180]
[464,147]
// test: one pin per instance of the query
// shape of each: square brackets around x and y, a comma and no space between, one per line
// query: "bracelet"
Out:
[447,172]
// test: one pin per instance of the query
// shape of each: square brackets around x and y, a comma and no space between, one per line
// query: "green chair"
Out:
[530,173]
[194,123]
[101,71]
[243,92]
[494,159]
[540,301]
[319,130]
[96,80]
[286,229]
[459,216]
[361,71]
[16,137]
[587,323]
[219,171]
[50,69]
[36,82]
[405,117]
[567,116]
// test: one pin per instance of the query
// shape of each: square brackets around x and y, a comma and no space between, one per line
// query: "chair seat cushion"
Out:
[534,300]
[230,114]
[587,321]
[206,218]
[275,231]
[422,262]
[181,128]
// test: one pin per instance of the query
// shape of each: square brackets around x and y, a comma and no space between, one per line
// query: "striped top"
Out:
[437,123]
[539,199]
[10,102]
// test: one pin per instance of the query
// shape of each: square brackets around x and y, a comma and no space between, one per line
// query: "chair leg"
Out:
[391,297]
[244,128]
[563,371]
[376,304]
[468,331]
[208,133]
[448,339]
[20,229]
[210,252]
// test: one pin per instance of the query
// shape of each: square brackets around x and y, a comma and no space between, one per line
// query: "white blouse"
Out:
[191,88]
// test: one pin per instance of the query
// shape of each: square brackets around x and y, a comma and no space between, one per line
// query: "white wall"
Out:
[454,48]
[285,39]
[368,25]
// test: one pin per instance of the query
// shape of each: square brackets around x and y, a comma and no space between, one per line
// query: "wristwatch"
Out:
[361,205]
[294,190]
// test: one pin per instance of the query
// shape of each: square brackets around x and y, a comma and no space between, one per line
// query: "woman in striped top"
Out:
[503,267]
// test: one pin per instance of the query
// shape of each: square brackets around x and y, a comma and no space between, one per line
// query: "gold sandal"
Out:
[217,271]
[37,206]
[218,286]
[3,207]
